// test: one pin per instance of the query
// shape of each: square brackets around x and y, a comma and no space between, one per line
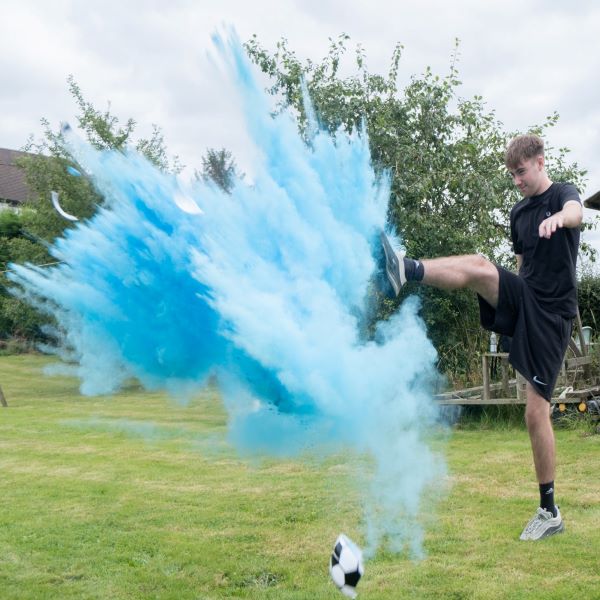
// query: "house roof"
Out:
[593,201]
[13,188]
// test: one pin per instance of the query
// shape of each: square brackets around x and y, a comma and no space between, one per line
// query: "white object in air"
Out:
[59,210]
[186,204]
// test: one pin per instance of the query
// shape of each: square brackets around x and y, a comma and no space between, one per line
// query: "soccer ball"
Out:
[346,565]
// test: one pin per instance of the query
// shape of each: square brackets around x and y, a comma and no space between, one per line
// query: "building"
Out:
[13,187]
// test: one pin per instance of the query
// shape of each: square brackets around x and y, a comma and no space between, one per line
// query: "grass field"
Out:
[135,496]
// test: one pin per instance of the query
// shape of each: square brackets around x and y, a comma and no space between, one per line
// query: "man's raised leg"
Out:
[450,273]
[471,271]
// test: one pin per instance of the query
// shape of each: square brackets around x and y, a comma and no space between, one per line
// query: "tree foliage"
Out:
[46,165]
[18,319]
[450,191]
[219,167]
[24,237]
[588,295]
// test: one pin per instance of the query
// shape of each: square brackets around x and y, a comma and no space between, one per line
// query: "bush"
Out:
[15,346]
[18,320]
[10,224]
[588,292]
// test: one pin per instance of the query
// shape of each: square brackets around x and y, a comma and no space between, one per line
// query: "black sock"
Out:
[547,497]
[413,269]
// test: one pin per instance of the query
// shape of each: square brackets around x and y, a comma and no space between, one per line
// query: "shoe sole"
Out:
[394,268]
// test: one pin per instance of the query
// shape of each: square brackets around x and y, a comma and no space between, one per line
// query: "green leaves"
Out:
[219,167]
[10,225]
[588,296]
[45,171]
[450,191]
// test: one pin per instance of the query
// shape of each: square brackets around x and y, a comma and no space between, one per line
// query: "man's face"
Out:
[528,175]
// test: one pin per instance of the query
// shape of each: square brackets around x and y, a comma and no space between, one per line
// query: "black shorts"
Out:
[539,338]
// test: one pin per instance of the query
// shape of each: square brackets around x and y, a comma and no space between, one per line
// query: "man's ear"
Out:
[540,161]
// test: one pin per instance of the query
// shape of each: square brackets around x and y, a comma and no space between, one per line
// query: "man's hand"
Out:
[570,216]
[551,224]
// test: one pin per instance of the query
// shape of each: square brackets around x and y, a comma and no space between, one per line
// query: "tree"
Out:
[23,237]
[219,167]
[450,191]
[46,168]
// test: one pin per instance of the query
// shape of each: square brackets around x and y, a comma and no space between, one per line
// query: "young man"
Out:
[535,308]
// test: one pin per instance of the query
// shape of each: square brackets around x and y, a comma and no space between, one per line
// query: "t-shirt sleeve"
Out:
[516,244]
[568,192]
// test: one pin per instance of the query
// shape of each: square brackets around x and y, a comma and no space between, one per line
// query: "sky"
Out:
[153,61]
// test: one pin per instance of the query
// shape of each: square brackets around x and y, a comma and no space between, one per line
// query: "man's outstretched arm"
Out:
[570,216]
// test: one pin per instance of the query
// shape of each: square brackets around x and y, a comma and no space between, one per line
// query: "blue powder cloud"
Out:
[264,289]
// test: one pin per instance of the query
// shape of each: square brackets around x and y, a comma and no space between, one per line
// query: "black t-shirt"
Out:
[548,265]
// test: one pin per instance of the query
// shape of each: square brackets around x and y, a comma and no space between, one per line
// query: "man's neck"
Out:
[544,187]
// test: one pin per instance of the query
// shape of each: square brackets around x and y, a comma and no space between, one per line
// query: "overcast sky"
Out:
[527,58]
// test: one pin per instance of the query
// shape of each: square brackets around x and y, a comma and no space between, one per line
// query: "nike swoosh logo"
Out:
[536,380]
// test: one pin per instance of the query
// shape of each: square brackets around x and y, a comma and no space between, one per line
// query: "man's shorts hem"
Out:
[539,338]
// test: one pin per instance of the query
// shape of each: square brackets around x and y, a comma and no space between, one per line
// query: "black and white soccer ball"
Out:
[346,565]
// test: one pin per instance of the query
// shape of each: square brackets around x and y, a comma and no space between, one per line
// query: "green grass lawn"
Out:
[136,496]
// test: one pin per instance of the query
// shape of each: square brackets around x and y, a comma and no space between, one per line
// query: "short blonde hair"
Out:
[523,147]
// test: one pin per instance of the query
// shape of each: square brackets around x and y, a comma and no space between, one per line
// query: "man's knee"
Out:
[483,278]
[481,267]
[475,268]
[537,410]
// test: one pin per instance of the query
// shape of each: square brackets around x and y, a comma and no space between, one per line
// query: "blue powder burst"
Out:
[264,289]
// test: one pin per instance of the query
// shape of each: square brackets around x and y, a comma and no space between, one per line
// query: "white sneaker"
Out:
[543,525]
[394,264]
